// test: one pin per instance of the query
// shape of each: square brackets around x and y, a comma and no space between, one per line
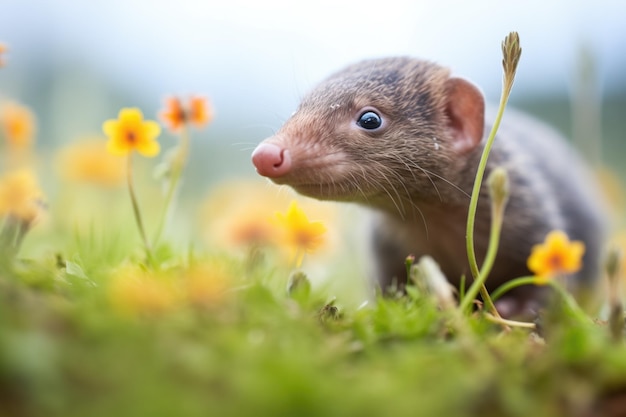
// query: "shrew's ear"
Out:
[465,109]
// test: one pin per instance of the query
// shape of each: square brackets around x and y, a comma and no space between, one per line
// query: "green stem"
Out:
[177,169]
[494,241]
[136,210]
[299,257]
[23,227]
[7,237]
[492,250]
[511,323]
[478,285]
[479,279]
[509,285]
[462,287]
[569,300]
[409,261]
[482,165]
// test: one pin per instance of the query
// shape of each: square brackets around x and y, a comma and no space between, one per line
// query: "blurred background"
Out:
[75,64]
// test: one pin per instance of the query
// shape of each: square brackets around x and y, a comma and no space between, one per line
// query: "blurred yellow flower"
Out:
[197,112]
[3,49]
[130,132]
[206,285]
[134,291]
[302,235]
[240,215]
[18,125]
[89,161]
[20,195]
[557,255]
[612,189]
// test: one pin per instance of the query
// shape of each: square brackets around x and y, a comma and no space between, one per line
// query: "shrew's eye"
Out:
[370,120]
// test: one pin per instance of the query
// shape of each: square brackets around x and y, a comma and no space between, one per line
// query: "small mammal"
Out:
[404,137]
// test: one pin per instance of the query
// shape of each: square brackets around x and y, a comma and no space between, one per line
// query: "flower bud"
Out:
[498,183]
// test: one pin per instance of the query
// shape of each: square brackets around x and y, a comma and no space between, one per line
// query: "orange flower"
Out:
[252,230]
[197,112]
[89,161]
[300,234]
[18,125]
[174,115]
[130,132]
[557,255]
[20,195]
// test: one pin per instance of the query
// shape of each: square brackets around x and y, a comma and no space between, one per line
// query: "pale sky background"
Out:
[256,58]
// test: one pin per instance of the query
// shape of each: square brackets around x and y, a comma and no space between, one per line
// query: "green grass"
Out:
[65,350]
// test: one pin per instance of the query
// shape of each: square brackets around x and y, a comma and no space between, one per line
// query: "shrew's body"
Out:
[402,136]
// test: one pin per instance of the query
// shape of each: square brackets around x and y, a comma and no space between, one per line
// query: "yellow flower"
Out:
[89,161]
[240,216]
[20,195]
[237,214]
[206,285]
[198,112]
[557,255]
[134,291]
[130,132]
[300,234]
[18,125]
[3,49]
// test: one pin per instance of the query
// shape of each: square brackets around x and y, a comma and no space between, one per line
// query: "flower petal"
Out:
[151,129]
[130,115]
[149,148]
[115,147]
[173,115]
[110,127]
[200,111]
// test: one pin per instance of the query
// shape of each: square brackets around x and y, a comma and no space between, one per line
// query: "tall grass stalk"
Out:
[511,51]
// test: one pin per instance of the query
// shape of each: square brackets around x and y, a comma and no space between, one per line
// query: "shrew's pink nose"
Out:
[271,160]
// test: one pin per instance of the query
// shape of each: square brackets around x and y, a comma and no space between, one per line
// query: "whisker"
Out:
[382,169]
[399,207]
[423,220]
[401,180]
[429,173]
[427,176]
[409,199]
[247,148]
[354,181]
